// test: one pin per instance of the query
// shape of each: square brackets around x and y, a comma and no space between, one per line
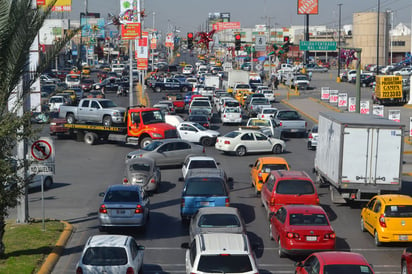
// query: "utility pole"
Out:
[377,40]
[339,32]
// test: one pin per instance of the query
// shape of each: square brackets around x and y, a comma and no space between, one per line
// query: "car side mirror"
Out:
[101,194]
[185,245]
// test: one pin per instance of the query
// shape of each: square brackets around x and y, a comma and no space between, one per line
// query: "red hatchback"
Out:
[336,262]
[406,261]
[301,229]
[284,187]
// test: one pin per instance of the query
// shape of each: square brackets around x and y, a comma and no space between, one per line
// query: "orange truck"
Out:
[142,125]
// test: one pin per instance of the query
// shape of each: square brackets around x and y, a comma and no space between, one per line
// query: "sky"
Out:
[191,15]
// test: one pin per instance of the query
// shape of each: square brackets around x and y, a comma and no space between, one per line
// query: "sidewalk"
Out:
[311,107]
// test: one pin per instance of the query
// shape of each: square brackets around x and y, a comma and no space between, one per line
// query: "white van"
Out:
[173,120]
[118,68]
[72,80]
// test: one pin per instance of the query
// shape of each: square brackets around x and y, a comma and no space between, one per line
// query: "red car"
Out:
[286,187]
[301,229]
[334,262]
[406,261]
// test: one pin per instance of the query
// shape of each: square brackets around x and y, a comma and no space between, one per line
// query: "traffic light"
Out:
[286,43]
[238,42]
[285,39]
[190,40]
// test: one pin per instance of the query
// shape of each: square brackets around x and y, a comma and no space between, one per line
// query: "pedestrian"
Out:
[276,82]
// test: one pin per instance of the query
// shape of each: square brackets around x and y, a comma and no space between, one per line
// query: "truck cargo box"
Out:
[359,155]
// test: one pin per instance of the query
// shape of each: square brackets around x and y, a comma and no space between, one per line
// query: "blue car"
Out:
[203,188]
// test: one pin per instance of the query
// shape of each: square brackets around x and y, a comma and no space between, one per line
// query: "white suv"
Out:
[220,253]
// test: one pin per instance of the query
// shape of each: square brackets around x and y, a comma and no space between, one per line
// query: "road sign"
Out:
[317,45]
[260,43]
[43,150]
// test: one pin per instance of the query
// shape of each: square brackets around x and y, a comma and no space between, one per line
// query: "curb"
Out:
[54,256]
[300,111]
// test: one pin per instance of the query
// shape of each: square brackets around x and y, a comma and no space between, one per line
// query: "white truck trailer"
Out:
[358,155]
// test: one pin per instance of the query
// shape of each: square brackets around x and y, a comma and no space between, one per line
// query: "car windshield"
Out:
[233,110]
[219,220]
[301,78]
[197,118]
[298,187]
[205,187]
[202,164]
[201,103]
[242,86]
[269,167]
[308,219]
[233,134]
[115,196]
[105,256]
[398,211]
[199,126]
[152,146]
[347,268]
[269,111]
[260,101]
[224,263]
[288,115]
[108,104]
[152,117]
[139,167]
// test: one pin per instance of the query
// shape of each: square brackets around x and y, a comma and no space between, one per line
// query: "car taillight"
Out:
[260,176]
[382,221]
[272,201]
[182,203]
[138,209]
[130,270]
[152,181]
[224,115]
[103,209]
[310,136]
[280,124]
[330,236]
[79,270]
[125,181]
[292,235]
[227,202]
[227,142]
[317,201]
[306,124]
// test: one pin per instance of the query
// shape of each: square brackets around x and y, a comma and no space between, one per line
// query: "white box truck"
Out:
[358,155]
[236,76]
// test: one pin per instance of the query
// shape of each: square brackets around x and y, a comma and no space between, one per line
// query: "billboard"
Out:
[59,6]
[226,25]
[308,6]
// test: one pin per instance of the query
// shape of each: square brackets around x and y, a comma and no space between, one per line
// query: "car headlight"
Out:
[157,135]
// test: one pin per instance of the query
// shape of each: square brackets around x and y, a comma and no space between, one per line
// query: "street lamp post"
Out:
[377,40]
[339,31]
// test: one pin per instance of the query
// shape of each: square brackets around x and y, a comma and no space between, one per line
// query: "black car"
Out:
[201,119]
[367,80]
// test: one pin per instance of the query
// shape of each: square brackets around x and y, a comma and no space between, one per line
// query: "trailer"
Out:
[358,155]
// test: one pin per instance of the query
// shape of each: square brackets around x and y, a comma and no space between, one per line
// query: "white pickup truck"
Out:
[266,126]
[92,110]
[289,121]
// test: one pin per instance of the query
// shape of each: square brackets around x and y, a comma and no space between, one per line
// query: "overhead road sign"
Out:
[317,45]
[260,43]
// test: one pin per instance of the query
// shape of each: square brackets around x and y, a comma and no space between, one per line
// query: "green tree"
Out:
[20,23]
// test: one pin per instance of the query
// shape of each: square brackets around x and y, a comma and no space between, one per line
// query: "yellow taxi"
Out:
[388,218]
[86,70]
[72,94]
[262,167]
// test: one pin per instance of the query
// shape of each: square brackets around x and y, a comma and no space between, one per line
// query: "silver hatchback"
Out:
[123,206]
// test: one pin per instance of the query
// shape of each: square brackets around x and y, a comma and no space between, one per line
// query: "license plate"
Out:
[403,237]
[311,238]
[120,212]
[204,203]
[293,130]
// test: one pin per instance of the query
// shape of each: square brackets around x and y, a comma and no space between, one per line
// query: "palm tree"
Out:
[20,23]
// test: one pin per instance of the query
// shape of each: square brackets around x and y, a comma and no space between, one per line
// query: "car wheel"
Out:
[90,138]
[277,149]
[47,183]
[362,225]
[107,121]
[270,232]
[376,238]
[184,89]
[241,151]
[206,141]
[280,249]
[145,141]
[404,269]
[70,118]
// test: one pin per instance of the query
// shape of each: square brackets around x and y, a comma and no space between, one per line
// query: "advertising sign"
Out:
[364,107]
[153,43]
[142,52]
[352,104]
[324,93]
[127,8]
[59,6]
[130,31]
[333,96]
[388,86]
[378,110]
[410,126]
[394,115]
[169,40]
[308,6]
[343,100]
[226,25]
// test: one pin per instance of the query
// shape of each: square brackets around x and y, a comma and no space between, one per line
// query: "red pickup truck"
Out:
[178,101]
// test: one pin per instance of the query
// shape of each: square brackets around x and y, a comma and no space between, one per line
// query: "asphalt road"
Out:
[82,171]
